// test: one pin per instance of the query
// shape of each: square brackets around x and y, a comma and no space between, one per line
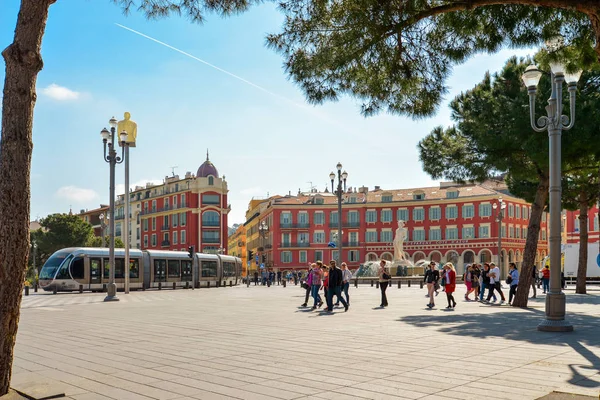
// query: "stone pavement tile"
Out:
[150,391]
[491,392]
[421,382]
[26,365]
[241,377]
[273,390]
[174,387]
[216,379]
[318,384]
[135,377]
[438,379]
[506,387]
[405,392]
[258,374]
[410,385]
[90,396]
[211,387]
[323,375]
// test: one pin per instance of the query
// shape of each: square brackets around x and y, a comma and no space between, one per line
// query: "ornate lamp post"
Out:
[108,138]
[555,122]
[263,230]
[499,208]
[103,224]
[341,177]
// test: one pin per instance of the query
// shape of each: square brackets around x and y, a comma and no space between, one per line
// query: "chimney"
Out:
[363,189]
[377,188]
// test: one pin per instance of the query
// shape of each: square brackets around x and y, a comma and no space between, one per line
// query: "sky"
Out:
[229,94]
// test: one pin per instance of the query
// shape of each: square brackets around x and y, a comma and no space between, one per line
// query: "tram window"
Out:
[228,269]
[160,268]
[106,269]
[77,271]
[173,270]
[186,270]
[209,269]
[119,268]
[63,272]
[134,268]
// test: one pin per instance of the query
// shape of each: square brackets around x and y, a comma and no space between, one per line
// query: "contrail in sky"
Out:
[217,68]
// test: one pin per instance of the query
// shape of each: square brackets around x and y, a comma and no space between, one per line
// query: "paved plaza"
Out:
[257,343]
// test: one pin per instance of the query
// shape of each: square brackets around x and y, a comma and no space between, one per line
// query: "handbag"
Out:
[509,280]
[386,276]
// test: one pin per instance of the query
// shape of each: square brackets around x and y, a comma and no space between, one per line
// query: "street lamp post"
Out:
[263,230]
[103,223]
[341,177]
[554,123]
[499,218]
[108,138]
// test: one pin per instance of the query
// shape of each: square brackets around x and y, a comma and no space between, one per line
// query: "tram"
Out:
[88,268]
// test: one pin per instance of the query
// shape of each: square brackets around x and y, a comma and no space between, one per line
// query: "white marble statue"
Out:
[401,235]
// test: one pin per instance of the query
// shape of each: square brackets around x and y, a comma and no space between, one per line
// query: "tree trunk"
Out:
[23,63]
[583,245]
[530,252]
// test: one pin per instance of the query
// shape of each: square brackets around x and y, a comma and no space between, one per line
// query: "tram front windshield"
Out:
[51,266]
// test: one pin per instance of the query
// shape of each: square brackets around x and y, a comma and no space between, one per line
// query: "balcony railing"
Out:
[351,244]
[164,228]
[210,240]
[299,225]
[294,245]
[163,209]
[345,224]
[211,223]
[165,243]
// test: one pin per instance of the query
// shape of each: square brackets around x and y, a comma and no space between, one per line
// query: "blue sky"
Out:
[263,144]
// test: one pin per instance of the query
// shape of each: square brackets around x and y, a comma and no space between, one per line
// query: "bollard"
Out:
[230,283]
[54,289]
[208,284]
[399,285]
[268,283]
[421,284]
[187,285]
[356,282]
[371,282]
[174,285]
[247,282]
[284,283]
[80,288]
[377,284]
[159,285]
[408,283]
[35,288]
[143,287]
[26,290]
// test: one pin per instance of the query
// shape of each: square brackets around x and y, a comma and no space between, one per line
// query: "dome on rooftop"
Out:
[207,168]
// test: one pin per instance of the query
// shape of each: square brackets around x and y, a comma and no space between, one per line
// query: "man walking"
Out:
[336,280]
[346,277]
[495,283]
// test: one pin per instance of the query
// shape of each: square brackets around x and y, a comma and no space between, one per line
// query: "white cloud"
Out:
[75,194]
[60,93]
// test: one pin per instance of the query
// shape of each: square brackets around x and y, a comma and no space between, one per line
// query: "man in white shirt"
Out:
[346,276]
[494,275]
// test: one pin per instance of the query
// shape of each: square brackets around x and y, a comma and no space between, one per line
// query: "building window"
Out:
[468,211]
[451,212]
[210,236]
[153,205]
[166,203]
[576,224]
[333,218]
[183,238]
[145,241]
[371,216]
[386,236]
[210,199]
[451,233]
[211,180]
[525,212]
[153,223]
[318,255]
[319,237]
[303,218]
[211,218]
[371,236]
[285,218]
[319,218]
[452,194]
[518,211]
[511,231]
[485,210]
[419,196]
[511,210]
[353,256]
[118,229]
[303,257]
[353,238]
[544,216]
[503,231]
[182,200]
[418,214]
[596,223]
[153,240]
[175,220]
[173,269]
[387,198]
[166,222]
[524,233]
[419,235]
[468,232]
[543,234]
[386,215]
[285,238]
[303,239]
[435,213]
[402,214]
[353,217]
[183,219]
[319,200]
[435,234]
[518,230]
[145,223]
[175,237]
[484,231]
[286,256]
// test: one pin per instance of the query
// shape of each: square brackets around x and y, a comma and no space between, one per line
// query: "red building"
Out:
[451,222]
[179,213]
[572,227]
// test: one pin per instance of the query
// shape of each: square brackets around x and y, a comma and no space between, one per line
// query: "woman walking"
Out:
[431,278]
[450,284]
[316,280]
[467,279]
[384,278]
[546,278]
[513,280]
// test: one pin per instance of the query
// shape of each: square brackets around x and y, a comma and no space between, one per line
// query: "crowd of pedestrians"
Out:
[332,280]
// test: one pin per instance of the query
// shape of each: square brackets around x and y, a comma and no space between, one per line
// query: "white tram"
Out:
[88,268]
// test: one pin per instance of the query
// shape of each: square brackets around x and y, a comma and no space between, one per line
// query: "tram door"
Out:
[95,271]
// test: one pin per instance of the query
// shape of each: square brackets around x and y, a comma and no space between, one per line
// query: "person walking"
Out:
[316,281]
[255,278]
[467,279]
[278,277]
[336,281]
[485,281]
[384,278]
[450,284]
[513,280]
[347,276]
[546,278]
[307,286]
[431,278]
[495,283]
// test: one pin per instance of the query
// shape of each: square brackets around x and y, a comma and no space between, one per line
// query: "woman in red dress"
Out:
[450,284]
